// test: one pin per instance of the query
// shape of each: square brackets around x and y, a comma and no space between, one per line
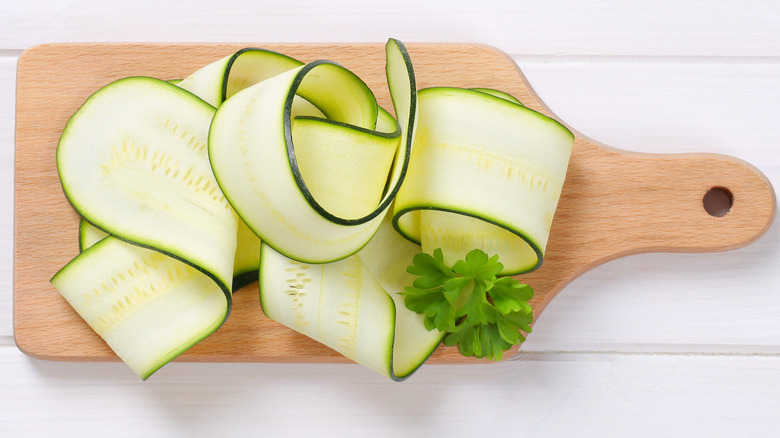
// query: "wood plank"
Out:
[661,105]
[541,395]
[601,215]
[7,113]
[555,27]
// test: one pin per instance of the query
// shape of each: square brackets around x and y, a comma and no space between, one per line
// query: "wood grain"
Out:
[614,202]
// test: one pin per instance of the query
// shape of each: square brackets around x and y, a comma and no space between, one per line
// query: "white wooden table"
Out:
[649,345]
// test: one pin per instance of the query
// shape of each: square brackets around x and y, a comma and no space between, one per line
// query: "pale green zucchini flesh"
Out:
[148,307]
[352,305]
[89,235]
[245,263]
[485,173]
[386,256]
[216,82]
[219,80]
[498,93]
[361,159]
[339,304]
[133,162]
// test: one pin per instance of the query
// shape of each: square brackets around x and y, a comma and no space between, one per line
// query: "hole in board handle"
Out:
[718,201]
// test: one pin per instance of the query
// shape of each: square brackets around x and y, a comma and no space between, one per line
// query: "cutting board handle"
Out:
[640,202]
[620,203]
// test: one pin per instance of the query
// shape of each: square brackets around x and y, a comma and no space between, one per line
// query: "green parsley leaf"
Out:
[482,314]
[431,270]
[478,265]
[511,296]
[439,314]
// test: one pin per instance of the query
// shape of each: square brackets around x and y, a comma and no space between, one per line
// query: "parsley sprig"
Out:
[481,313]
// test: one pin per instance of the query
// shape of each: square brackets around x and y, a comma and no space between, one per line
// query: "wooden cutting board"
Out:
[614,202]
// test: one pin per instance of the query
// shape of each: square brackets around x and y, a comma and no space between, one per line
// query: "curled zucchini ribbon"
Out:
[301,160]
[311,164]
[485,173]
